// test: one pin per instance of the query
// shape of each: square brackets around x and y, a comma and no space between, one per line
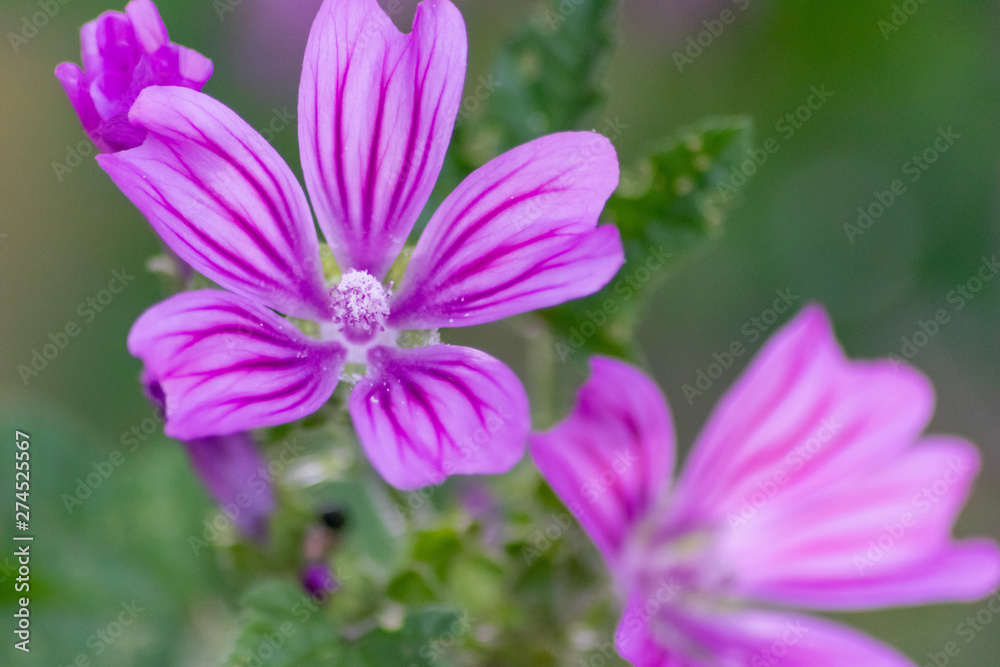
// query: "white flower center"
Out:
[360,306]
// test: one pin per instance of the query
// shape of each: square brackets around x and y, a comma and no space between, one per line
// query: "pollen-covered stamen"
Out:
[360,306]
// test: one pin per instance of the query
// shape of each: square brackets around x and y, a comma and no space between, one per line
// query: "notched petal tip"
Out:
[376,113]
[147,24]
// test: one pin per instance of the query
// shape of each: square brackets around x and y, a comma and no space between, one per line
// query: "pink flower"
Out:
[376,112]
[122,55]
[810,487]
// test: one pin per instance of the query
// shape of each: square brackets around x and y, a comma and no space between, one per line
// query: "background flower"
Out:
[810,487]
[65,229]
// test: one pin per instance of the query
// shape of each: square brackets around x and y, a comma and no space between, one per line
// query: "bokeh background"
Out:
[63,231]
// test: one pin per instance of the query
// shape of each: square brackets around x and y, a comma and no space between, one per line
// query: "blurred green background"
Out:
[63,232]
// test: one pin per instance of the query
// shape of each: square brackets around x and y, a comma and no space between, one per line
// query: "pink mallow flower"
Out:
[122,55]
[811,487]
[376,112]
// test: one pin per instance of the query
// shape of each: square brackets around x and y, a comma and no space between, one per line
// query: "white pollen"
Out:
[360,301]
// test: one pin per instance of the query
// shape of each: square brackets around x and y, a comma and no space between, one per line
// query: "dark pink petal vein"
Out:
[226,364]
[376,112]
[424,414]
[223,200]
[517,235]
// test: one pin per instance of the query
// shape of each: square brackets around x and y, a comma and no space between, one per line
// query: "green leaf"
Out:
[410,587]
[438,548]
[677,189]
[428,637]
[282,627]
[667,206]
[546,78]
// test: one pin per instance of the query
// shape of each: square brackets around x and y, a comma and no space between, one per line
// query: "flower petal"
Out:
[517,235]
[225,364]
[875,539]
[223,200]
[800,415]
[75,84]
[174,65]
[376,112]
[235,473]
[651,635]
[426,413]
[150,31]
[611,460]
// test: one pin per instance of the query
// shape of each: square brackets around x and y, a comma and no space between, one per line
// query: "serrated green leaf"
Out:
[664,208]
[546,78]
[677,187]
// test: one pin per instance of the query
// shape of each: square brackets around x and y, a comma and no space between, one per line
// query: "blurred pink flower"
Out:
[810,487]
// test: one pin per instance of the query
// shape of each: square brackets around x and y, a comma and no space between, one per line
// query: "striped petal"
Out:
[874,539]
[225,364]
[424,414]
[223,200]
[801,415]
[376,112]
[654,635]
[517,235]
[611,460]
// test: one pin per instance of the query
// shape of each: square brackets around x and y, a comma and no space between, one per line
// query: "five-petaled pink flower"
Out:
[123,54]
[811,487]
[376,112]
